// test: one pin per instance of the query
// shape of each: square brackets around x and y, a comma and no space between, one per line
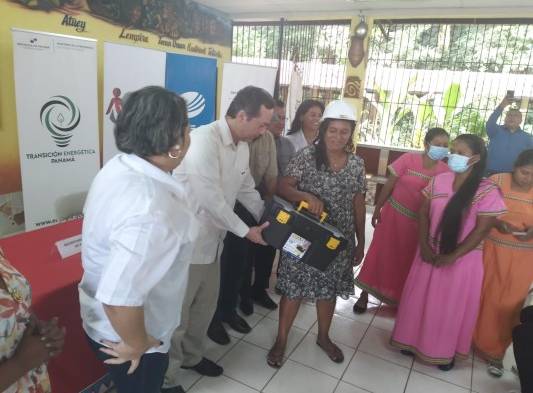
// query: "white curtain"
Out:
[295,96]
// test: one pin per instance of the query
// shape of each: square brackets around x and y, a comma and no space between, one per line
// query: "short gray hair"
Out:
[152,120]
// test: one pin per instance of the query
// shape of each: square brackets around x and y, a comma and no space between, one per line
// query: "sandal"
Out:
[275,359]
[495,369]
[333,351]
[360,307]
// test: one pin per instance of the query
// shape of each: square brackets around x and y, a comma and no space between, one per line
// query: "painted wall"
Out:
[14,15]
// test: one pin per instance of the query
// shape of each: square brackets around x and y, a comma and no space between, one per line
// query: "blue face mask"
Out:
[458,163]
[437,153]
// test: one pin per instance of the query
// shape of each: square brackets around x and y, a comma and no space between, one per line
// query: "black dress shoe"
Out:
[175,389]
[206,367]
[217,333]
[264,300]
[238,324]
[247,306]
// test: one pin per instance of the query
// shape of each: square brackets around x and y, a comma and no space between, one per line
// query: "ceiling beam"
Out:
[393,13]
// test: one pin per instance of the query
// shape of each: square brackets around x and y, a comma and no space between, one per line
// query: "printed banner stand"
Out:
[128,68]
[195,79]
[236,76]
[56,98]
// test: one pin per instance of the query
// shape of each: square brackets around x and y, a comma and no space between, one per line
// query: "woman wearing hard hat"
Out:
[329,177]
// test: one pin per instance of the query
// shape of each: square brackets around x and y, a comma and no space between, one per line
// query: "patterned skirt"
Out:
[297,280]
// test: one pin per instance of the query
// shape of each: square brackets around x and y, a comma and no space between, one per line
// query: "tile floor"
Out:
[370,365]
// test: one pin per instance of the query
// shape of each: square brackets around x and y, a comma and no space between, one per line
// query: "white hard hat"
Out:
[339,110]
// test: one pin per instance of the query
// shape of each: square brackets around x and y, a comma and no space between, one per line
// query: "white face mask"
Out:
[458,163]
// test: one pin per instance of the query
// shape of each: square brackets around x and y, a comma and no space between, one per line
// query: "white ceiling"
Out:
[293,9]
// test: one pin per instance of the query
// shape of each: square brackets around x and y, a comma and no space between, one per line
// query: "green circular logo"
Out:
[60,116]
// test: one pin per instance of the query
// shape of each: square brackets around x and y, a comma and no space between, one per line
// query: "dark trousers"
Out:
[147,378]
[523,352]
[234,263]
[262,260]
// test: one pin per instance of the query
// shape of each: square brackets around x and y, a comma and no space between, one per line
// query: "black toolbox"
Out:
[301,234]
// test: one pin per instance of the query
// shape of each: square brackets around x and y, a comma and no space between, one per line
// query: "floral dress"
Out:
[15,315]
[336,190]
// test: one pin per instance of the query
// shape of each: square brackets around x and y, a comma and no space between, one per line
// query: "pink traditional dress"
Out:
[395,239]
[15,315]
[439,305]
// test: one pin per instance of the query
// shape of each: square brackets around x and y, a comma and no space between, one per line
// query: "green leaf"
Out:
[468,120]
[400,114]
[383,95]
[425,115]
[451,98]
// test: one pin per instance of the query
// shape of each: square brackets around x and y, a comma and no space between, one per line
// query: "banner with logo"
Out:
[56,98]
[128,68]
[195,79]
[236,76]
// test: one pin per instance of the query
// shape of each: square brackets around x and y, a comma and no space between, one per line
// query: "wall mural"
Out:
[172,19]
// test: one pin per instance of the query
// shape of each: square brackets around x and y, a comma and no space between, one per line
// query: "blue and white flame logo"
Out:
[195,103]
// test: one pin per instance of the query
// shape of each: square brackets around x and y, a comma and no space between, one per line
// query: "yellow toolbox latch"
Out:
[283,217]
[305,205]
[333,243]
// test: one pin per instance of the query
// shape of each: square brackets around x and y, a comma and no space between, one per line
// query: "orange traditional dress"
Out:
[508,265]
[14,316]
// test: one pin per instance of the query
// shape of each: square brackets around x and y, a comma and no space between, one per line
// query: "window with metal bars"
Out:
[318,48]
[446,73]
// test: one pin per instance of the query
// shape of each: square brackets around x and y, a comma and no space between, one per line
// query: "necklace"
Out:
[338,164]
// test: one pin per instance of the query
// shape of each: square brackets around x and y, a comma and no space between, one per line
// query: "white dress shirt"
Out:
[218,173]
[137,243]
[298,140]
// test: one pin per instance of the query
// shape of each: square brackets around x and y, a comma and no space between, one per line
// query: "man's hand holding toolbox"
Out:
[255,234]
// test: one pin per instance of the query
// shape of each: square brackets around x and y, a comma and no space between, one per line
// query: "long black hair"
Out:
[296,124]
[452,218]
[320,145]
